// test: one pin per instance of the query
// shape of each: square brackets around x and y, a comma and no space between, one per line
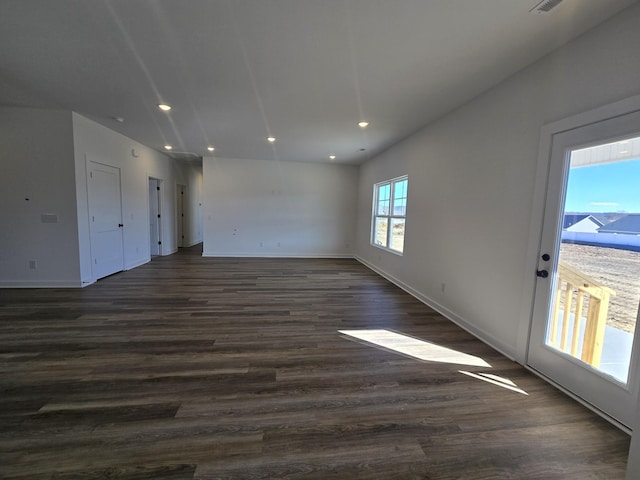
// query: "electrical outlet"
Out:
[33,264]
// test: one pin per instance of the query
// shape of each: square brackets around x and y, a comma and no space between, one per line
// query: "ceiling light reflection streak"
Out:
[180,65]
[415,347]
[132,48]
[353,56]
[254,84]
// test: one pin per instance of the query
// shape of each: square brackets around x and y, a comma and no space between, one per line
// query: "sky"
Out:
[610,187]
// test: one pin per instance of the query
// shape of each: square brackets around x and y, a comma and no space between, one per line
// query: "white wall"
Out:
[43,153]
[36,163]
[94,142]
[471,184]
[272,208]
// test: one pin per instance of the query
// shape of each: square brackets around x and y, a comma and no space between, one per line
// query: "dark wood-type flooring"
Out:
[202,368]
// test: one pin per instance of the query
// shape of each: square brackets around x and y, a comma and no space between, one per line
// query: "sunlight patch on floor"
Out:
[415,347]
[495,380]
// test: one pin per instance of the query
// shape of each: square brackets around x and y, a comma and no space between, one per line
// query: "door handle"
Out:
[120,225]
[542,273]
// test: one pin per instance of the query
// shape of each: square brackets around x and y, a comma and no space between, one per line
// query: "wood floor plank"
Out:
[234,368]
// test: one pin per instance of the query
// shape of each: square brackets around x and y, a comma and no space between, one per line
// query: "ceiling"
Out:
[303,71]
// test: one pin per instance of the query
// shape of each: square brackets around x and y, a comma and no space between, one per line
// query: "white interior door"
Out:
[105,219]
[155,240]
[588,288]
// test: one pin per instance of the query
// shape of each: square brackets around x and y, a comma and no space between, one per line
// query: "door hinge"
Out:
[158,215]
[158,188]
[159,243]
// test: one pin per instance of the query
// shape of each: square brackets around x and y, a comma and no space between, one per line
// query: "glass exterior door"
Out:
[588,289]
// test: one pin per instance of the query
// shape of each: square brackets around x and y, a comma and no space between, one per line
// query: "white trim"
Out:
[137,263]
[41,284]
[580,400]
[278,255]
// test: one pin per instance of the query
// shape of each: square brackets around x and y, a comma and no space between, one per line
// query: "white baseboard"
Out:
[274,255]
[41,284]
[192,244]
[136,263]
[580,400]
[479,333]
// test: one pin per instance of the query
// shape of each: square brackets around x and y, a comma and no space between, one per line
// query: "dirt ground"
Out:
[618,270]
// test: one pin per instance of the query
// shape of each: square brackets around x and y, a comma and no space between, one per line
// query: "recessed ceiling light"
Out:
[363,124]
[164,107]
[168,147]
[332,157]
[211,149]
[271,139]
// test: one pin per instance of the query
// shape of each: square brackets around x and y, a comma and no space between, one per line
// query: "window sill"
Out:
[386,249]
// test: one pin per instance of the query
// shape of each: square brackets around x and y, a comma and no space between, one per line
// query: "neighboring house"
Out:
[571,219]
[588,224]
[629,224]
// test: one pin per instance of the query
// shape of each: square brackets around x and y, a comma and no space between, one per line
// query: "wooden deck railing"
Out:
[579,291]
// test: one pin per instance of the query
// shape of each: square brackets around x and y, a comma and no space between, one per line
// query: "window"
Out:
[389,214]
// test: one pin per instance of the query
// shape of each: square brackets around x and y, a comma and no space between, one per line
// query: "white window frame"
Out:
[389,216]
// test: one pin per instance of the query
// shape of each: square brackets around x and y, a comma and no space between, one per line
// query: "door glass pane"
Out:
[597,285]
[380,231]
